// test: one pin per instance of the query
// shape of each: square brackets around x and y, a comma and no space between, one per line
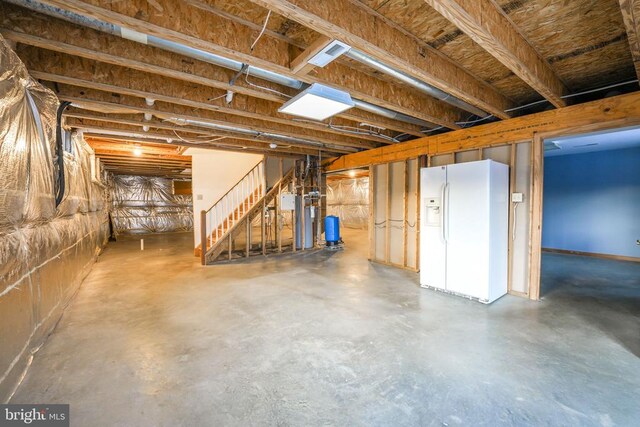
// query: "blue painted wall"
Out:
[592,202]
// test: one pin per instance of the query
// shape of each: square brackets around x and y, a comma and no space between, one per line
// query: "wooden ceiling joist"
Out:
[93,121]
[230,144]
[126,107]
[486,24]
[64,37]
[348,22]
[60,68]
[218,35]
[300,64]
[631,16]
[119,130]
[616,112]
[257,104]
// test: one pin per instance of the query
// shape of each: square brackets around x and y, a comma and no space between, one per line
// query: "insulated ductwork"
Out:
[204,56]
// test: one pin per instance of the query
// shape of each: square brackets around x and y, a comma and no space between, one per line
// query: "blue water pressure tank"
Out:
[332,230]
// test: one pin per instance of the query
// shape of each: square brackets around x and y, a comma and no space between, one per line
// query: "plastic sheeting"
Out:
[44,252]
[143,204]
[348,199]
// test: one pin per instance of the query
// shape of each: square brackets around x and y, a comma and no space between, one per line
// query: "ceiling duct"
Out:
[329,53]
[203,56]
[423,87]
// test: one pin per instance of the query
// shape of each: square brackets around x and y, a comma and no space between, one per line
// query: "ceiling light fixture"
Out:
[137,151]
[318,102]
[273,145]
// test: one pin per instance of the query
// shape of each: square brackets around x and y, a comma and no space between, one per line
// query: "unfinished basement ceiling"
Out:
[581,44]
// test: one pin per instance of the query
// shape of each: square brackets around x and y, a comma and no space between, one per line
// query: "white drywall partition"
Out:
[213,174]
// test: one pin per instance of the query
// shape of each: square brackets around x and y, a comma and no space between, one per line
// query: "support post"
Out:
[372,225]
[535,248]
[264,227]
[387,218]
[405,214]
[279,213]
[248,233]
[203,237]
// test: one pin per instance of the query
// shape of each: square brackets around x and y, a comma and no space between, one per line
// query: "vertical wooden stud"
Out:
[535,241]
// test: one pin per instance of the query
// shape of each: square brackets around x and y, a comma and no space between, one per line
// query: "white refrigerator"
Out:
[464,221]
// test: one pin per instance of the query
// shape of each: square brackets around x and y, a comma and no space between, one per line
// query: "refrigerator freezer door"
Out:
[467,229]
[432,243]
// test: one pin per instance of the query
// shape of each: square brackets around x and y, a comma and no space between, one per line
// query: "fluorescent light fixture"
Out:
[318,102]
[330,52]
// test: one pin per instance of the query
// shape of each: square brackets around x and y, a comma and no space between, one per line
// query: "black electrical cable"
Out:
[60,151]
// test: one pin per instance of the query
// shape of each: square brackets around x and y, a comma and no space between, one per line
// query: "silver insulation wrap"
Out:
[44,252]
[145,204]
[348,199]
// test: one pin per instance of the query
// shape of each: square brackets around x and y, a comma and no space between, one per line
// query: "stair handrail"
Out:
[235,185]
[219,214]
[273,191]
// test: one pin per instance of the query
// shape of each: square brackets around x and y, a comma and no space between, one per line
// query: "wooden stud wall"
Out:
[394,214]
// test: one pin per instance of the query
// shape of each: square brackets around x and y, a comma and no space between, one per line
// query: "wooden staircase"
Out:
[234,212]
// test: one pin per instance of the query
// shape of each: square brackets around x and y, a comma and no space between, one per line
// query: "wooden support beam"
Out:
[215,139]
[631,16]
[486,24]
[353,24]
[263,226]
[618,111]
[372,221]
[216,34]
[165,111]
[300,65]
[387,217]
[228,144]
[51,66]
[250,102]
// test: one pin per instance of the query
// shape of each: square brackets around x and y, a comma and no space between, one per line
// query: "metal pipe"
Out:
[257,134]
[423,87]
[202,56]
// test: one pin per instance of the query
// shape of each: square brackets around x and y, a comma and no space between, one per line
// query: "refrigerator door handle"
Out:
[446,203]
[443,212]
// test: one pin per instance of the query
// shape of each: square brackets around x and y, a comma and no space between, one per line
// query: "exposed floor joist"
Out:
[228,144]
[233,142]
[486,24]
[70,39]
[220,36]
[618,111]
[631,16]
[60,68]
[352,24]
[93,120]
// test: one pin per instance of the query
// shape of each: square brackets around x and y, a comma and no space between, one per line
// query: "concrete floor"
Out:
[329,339]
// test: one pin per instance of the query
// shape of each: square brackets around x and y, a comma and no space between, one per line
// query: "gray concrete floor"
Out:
[327,338]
